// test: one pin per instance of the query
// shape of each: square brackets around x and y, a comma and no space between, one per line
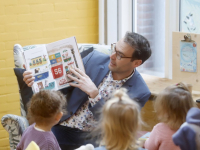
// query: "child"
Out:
[171,106]
[120,119]
[46,110]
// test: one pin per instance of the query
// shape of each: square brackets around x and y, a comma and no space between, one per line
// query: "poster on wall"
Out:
[188,56]
[189,16]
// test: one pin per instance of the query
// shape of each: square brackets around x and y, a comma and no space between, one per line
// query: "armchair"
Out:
[15,125]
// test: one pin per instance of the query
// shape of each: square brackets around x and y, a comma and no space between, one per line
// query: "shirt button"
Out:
[71,113]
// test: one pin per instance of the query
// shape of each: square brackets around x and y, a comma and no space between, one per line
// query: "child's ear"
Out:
[59,116]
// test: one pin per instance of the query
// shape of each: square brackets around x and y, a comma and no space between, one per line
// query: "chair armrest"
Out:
[15,126]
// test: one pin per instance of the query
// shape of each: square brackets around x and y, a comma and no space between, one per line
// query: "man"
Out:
[103,76]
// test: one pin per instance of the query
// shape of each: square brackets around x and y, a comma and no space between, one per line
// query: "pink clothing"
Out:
[161,138]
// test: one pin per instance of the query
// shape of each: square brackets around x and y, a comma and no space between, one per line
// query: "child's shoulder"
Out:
[29,127]
[161,126]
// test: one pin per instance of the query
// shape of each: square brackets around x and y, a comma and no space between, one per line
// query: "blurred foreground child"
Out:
[171,106]
[119,123]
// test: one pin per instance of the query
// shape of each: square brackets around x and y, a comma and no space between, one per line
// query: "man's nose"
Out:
[113,55]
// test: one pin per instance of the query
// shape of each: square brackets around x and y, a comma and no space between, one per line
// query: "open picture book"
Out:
[50,64]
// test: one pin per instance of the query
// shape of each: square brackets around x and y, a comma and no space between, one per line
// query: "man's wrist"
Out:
[94,94]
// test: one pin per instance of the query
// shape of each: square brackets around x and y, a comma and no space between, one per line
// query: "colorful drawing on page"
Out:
[37,61]
[145,136]
[66,56]
[55,58]
[71,65]
[49,86]
[66,69]
[61,81]
[40,85]
[41,76]
[188,56]
[57,71]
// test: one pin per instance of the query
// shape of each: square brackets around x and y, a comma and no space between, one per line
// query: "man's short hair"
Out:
[140,44]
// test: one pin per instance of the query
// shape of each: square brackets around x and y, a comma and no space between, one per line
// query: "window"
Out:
[149,21]
[154,19]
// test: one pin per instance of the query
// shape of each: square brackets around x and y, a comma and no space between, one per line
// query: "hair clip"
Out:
[179,85]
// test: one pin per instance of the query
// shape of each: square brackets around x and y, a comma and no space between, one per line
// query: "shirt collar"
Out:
[110,78]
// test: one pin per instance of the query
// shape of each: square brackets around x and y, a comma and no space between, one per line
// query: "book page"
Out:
[63,55]
[145,136]
[37,61]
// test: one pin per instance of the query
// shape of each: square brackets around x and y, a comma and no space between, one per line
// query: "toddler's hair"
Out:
[45,104]
[119,122]
[172,105]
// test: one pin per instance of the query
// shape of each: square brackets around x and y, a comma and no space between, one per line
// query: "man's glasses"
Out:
[118,54]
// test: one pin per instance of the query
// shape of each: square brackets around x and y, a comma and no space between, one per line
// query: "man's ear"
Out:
[137,63]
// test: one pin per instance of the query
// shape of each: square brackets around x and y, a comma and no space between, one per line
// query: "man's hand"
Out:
[28,78]
[83,82]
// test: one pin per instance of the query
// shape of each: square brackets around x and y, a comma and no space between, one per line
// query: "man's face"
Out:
[123,67]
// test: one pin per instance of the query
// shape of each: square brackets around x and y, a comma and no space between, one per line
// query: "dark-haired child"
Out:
[46,109]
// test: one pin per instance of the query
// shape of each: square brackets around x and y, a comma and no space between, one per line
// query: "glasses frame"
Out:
[118,55]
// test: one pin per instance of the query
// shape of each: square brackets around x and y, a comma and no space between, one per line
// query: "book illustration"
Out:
[41,76]
[60,66]
[38,61]
[145,136]
[52,62]
[40,85]
[68,58]
[55,58]
[49,86]
[69,54]
[57,71]
[188,56]
[44,85]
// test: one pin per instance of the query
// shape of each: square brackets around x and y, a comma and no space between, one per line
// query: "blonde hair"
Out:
[119,122]
[172,105]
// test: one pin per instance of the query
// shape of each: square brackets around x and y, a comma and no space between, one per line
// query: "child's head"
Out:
[119,121]
[46,107]
[172,105]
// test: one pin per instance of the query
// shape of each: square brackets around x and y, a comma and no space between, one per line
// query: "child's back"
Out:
[120,119]
[171,106]
[161,138]
[45,109]
[44,139]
